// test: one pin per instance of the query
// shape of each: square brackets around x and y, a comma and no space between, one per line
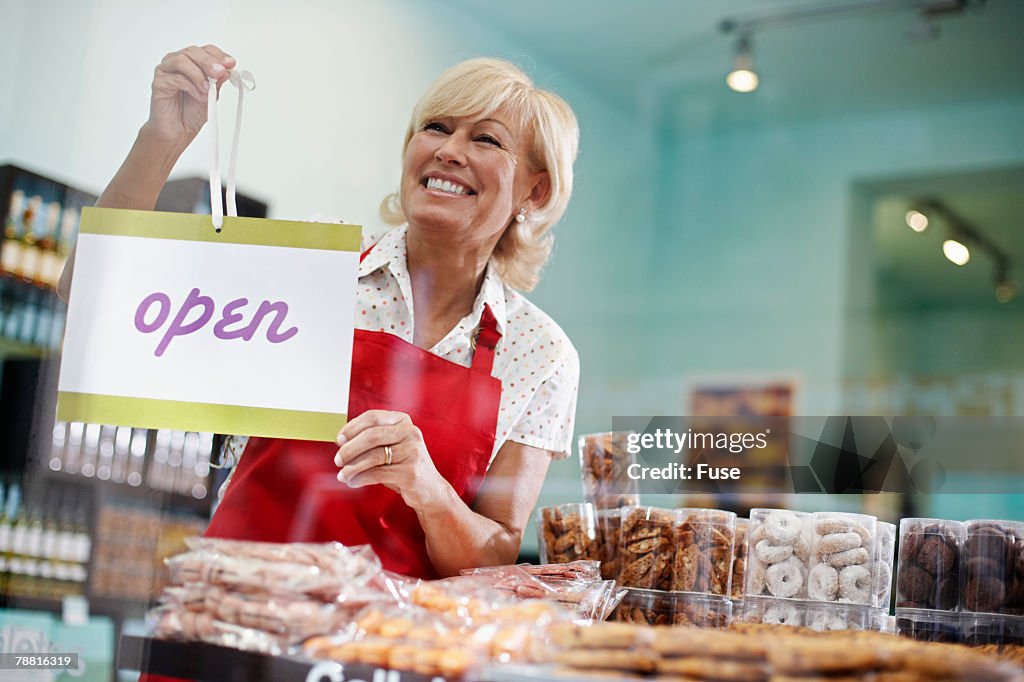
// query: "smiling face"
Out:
[467,177]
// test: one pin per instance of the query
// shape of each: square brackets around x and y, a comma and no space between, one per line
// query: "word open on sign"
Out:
[197,310]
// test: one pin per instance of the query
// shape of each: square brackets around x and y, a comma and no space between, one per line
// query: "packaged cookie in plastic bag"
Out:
[928,575]
[778,553]
[567,532]
[703,551]
[646,547]
[604,463]
[842,558]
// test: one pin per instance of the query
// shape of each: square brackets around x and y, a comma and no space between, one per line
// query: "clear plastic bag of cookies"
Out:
[778,553]
[172,622]
[928,574]
[355,565]
[703,551]
[585,570]
[739,560]
[567,532]
[604,463]
[646,550]
[885,549]
[701,611]
[842,558]
[609,523]
[992,579]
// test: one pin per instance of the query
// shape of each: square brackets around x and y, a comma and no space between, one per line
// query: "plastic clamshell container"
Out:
[928,573]
[842,558]
[567,532]
[703,542]
[778,553]
[992,567]
[646,554]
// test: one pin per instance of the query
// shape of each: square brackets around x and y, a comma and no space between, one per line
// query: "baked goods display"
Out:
[567,533]
[993,567]
[961,582]
[818,616]
[604,463]
[885,549]
[929,564]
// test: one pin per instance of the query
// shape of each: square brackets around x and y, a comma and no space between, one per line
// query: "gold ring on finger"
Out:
[387,455]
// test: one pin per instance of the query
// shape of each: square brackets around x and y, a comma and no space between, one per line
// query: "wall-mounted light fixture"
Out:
[743,78]
[962,237]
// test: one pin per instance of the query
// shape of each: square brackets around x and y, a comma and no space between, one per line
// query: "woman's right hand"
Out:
[177,107]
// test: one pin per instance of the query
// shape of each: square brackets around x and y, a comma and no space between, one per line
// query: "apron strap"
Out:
[486,341]
[242,80]
[486,338]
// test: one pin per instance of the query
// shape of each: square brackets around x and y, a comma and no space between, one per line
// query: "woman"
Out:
[455,375]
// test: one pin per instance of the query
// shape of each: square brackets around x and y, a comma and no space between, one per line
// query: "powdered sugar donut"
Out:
[781,614]
[855,584]
[836,542]
[782,527]
[785,578]
[823,583]
[850,557]
[772,554]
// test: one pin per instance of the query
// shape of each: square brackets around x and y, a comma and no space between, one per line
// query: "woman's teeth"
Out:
[446,186]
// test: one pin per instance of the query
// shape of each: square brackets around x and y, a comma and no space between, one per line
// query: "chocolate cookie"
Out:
[984,594]
[915,583]
[936,556]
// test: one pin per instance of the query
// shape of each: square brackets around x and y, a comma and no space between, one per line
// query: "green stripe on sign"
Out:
[192,227]
[150,413]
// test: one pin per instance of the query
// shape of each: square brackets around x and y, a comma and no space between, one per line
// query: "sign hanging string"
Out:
[243,80]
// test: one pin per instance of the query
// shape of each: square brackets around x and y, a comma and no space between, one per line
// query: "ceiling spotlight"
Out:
[956,252]
[743,78]
[917,221]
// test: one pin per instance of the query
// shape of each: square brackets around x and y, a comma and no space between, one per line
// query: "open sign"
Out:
[173,325]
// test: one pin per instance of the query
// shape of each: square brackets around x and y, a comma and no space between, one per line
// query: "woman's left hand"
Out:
[363,456]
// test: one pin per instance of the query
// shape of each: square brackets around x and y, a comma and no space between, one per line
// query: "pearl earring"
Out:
[521,216]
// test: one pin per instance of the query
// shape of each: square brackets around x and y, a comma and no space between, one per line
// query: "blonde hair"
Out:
[480,87]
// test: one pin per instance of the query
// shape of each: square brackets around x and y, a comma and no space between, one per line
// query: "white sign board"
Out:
[173,325]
